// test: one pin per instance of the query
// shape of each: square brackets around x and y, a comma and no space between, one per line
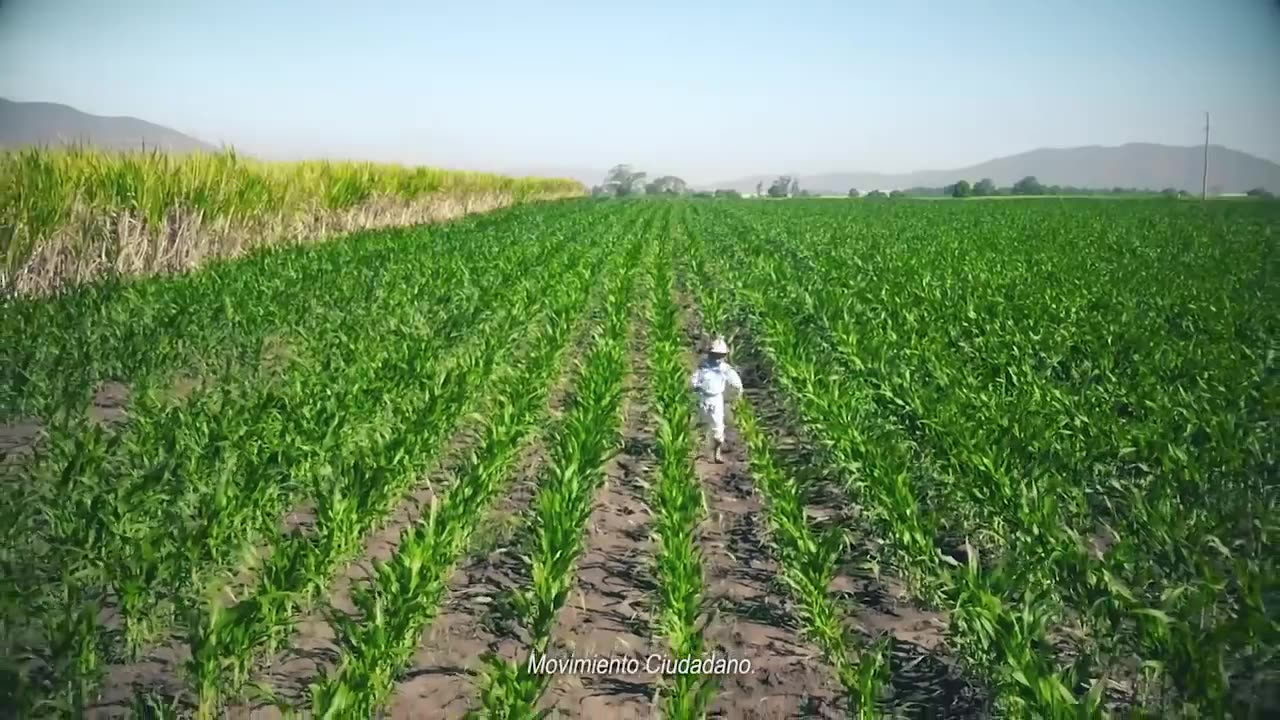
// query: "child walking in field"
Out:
[713,376]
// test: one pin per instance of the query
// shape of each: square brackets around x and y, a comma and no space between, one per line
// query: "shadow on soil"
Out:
[924,679]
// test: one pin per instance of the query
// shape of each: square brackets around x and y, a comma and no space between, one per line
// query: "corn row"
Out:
[405,592]
[677,501]
[951,426]
[1030,438]
[587,439]
[1008,641]
[808,560]
[215,442]
[359,493]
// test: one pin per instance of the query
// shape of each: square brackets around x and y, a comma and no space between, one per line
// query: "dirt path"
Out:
[923,673]
[752,619]
[789,679]
[439,681]
[608,610]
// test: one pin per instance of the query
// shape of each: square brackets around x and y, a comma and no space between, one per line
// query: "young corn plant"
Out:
[587,439]
[808,561]
[363,488]
[405,592]
[1005,397]
[677,501]
[895,507]
[224,466]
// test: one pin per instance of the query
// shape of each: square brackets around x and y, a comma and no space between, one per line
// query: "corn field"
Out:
[1009,460]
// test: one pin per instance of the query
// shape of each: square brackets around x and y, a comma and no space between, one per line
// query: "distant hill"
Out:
[39,123]
[1135,165]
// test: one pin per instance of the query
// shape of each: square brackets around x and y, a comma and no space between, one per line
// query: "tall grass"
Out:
[71,215]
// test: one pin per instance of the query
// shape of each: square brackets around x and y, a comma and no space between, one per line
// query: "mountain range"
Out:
[40,123]
[1133,165]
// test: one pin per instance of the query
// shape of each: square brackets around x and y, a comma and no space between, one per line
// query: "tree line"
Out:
[626,181]
[1029,185]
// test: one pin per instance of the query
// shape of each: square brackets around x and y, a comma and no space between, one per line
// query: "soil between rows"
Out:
[924,677]
[753,617]
[609,610]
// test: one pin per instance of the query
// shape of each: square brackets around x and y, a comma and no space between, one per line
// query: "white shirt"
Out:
[713,376]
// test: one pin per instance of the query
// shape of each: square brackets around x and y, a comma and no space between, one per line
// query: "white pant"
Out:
[711,410]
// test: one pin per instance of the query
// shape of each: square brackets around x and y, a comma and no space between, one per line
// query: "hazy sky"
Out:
[700,89]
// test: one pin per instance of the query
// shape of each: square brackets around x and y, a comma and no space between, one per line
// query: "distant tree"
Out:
[897,194]
[921,191]
[728,194]
[1170,192]
[1028,186]
[961,189]
[984,187]
[1053,190]
[853,193]
[780,187]
[795,188]
[623,180]
[1260,193]
[704,194]
[667,185]
[804,193]
[876,195]
[760,189]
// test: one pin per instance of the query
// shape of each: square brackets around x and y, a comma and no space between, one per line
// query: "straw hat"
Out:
[719,347]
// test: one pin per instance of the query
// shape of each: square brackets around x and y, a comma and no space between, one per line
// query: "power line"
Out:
[1204,179]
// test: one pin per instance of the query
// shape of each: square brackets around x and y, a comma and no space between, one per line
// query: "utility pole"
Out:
[1204,179]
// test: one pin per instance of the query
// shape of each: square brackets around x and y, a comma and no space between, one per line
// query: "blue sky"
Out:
[708,91]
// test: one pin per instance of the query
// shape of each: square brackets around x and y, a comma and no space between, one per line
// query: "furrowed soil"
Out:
[750,620]
[753,619]
[923,674]
[476,617]
[788,678]
[440,680]
[472,620]
[313,653]
[1184,352]
[608,613]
